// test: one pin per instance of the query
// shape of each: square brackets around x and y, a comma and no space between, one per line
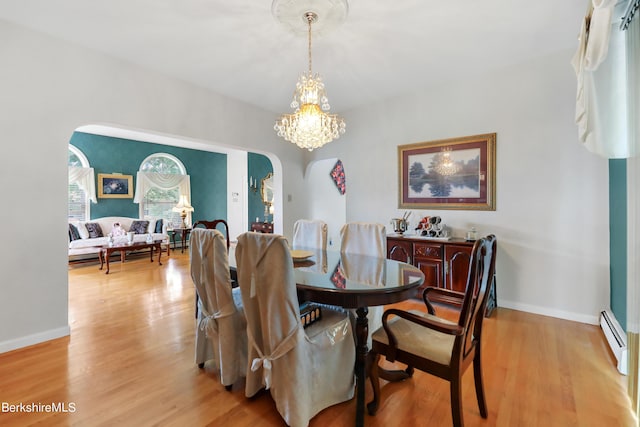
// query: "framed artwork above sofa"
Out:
[115,186]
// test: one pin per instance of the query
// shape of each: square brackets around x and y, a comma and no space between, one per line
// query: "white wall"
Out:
[49,88]
[551,193]
[326,202]
[552,215]
[237,197]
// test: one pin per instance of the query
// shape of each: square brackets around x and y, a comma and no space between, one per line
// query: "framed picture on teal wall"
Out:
[115,186]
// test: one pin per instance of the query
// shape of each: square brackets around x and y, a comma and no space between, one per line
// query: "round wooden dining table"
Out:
[352,281]
[355,282]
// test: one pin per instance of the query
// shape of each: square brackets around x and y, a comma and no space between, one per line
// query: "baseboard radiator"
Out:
[616,338]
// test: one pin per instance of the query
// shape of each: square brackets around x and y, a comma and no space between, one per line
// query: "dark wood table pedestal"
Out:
[361,300]
[362,333]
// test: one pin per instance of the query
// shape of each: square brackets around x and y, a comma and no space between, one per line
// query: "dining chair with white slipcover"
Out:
[221,324]
[305,370]
[309,234]
[365,239]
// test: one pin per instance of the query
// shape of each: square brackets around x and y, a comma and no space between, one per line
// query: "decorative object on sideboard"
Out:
[400,225]
[432,226]
[472,235]
[455,173]
[183,207]
[310,126]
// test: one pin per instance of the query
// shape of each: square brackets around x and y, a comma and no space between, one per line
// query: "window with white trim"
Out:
[79,199]
[158,202]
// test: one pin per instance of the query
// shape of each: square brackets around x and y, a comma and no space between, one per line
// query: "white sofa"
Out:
[87,246]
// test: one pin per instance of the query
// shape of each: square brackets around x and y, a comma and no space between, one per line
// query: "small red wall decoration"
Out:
[337,174]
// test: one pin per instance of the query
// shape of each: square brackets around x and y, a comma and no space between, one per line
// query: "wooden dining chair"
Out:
[435,345]
[221,323]
[212,225]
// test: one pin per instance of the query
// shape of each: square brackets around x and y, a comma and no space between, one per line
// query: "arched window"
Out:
[161,188]
[81,185]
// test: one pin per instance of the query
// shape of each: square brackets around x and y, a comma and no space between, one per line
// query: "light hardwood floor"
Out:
[129,362]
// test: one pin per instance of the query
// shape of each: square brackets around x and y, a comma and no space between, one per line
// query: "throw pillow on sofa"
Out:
[74,234]
[158,226]
[94,230]
[139,227]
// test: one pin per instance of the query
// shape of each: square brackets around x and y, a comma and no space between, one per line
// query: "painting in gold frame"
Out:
[456,173]
[115,186]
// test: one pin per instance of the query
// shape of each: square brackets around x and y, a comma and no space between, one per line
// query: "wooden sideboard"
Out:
[445,264]
[262,227]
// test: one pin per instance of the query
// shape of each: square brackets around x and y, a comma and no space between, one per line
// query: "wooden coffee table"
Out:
[106,251]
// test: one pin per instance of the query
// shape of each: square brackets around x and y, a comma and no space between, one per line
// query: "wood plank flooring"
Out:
[129,362]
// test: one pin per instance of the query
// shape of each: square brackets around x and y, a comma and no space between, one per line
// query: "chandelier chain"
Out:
[309,20]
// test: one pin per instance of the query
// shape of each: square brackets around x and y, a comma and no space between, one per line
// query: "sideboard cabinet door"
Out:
[456,259]
[444,264]
[428,258]
[399,250]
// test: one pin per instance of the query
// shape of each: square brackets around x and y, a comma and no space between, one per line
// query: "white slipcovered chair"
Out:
[306,370]
[364,238]
[368,239]
[309,234]
[221,324]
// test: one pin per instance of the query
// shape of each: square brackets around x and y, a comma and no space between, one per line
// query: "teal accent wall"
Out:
[207,170]
[618,238]
[258,166]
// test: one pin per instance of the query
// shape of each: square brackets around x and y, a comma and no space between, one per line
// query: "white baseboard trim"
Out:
[546,311]
[32,339]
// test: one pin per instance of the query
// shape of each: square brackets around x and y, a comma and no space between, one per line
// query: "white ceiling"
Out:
[383,49]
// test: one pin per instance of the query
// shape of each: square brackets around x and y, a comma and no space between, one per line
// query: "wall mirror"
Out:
[267,189]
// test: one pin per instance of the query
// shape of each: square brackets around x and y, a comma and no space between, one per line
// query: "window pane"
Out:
[159,204]
[74,160]
[77,203]
[78,199]
[161,165]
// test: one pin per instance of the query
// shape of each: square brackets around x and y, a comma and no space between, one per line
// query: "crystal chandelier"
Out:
[445,165]
[310,126]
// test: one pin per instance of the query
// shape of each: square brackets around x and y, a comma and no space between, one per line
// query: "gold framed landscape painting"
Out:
[456,173]
[115,186]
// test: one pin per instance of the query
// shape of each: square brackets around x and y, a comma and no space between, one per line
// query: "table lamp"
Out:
[183,207]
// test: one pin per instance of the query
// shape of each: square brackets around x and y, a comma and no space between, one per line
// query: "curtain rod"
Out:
[628,16]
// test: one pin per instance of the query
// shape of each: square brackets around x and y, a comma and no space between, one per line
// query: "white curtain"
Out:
[632,40]
[85,179]
[632,34]
[601,99]
[147,180]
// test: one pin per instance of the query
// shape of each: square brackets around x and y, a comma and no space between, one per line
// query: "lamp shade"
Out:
[183,205]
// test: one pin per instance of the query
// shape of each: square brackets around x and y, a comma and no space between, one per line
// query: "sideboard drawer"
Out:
[427,250]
